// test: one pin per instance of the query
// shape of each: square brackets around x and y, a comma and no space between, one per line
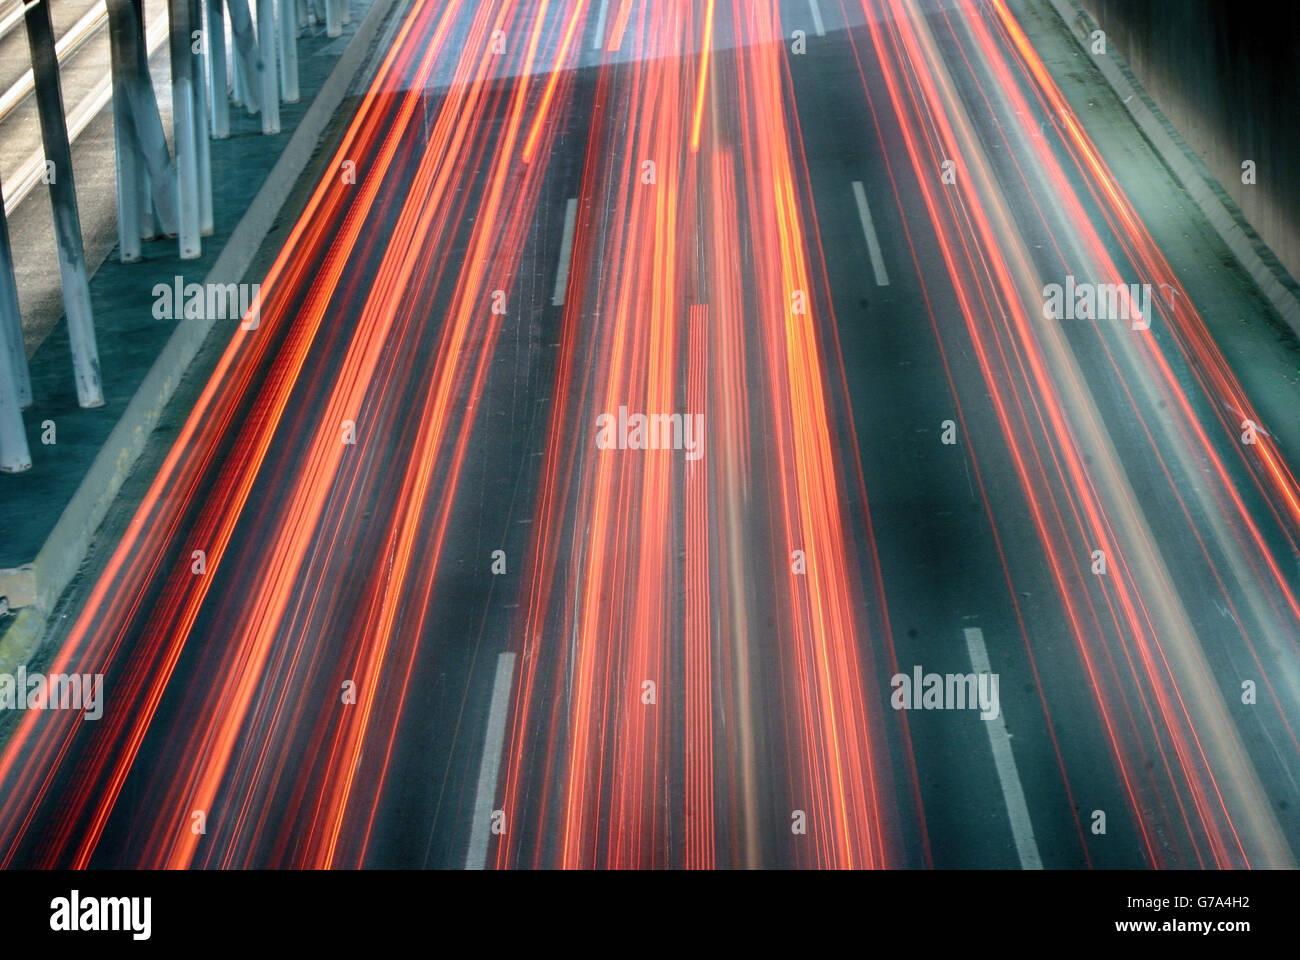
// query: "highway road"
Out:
[648,398]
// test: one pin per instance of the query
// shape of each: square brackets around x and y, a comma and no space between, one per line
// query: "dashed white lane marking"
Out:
[566,251]
[869,228]
[476,858]
[599,39]
[817,18]
[1022,830]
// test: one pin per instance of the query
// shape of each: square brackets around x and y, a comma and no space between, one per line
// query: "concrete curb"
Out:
[1272,279]
[64,550]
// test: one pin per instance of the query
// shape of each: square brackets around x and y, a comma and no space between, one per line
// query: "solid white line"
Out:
[869,228]
[13,19]
[17,187]
[69,41]
[1022,829]
[566,252]
[598,40]
[476,859]
[817,18]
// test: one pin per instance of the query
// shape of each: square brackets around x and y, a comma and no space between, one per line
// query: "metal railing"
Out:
[161,193]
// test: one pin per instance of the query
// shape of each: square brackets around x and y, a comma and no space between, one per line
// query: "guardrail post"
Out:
[121,57]
[63,198]
[15,456]
[187,161]
[288,28]
[199,84]
[131,78]
[219,83]
[248,62]
[11,324]
[266,47]
[15,384]
[149,227]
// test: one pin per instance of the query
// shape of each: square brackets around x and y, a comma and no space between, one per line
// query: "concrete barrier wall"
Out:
[1226,73]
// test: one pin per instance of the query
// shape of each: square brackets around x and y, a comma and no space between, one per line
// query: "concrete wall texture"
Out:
[1226,73]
